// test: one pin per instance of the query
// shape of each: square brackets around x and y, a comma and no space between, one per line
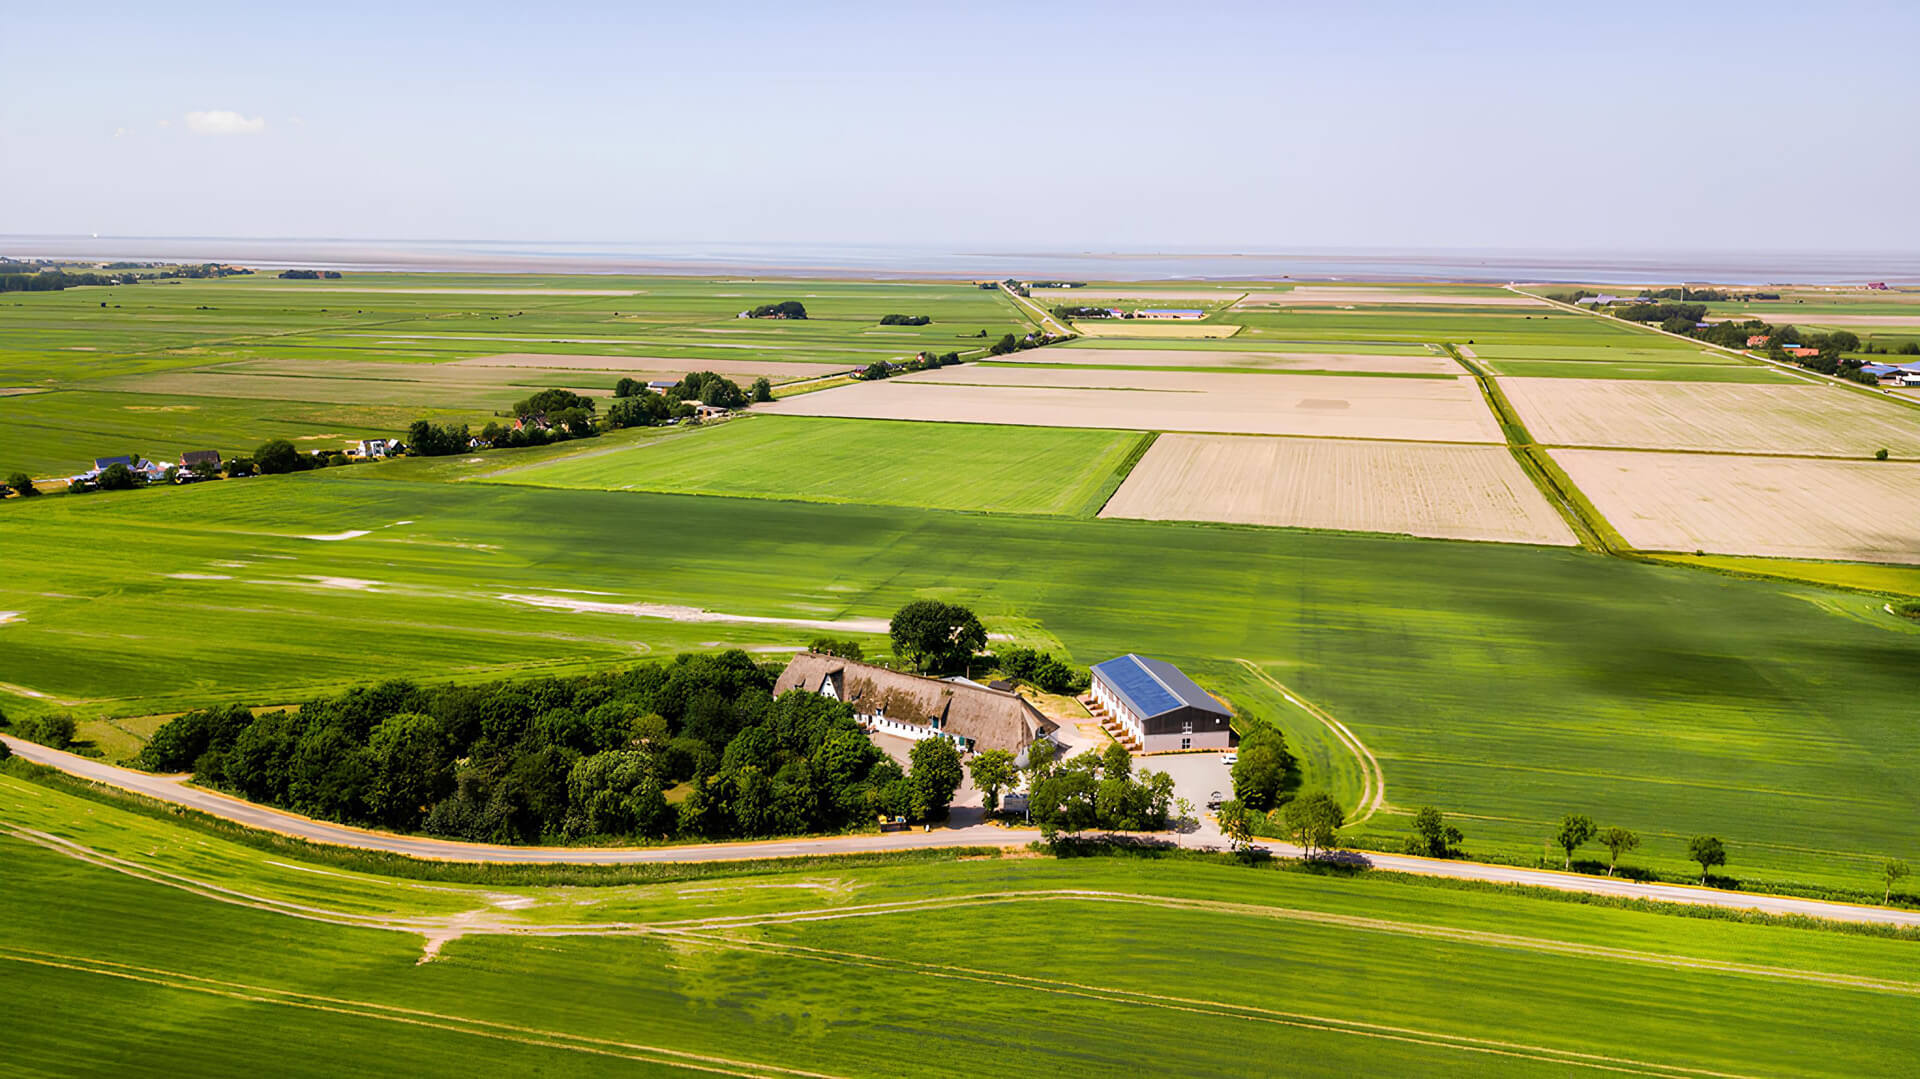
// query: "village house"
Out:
[662,385]
[971,716]
[1802,352]
[202,460]
[375,448]
[1151,707]
[1758,340]
[1170,312]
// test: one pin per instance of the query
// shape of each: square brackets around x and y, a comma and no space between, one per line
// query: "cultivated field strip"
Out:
[1725,417]
[387,1013]
[1440,491]
[1423,409]
[1260,360]
[1781,507]
[497,919]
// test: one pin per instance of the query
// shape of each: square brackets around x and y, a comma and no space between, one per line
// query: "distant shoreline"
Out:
[910,263]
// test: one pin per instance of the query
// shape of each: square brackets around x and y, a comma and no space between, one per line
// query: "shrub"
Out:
[56,731]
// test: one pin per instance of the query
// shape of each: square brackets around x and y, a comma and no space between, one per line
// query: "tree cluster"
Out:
[696,747]
[783,309]
[1042,669]
[1095,790]
[55,280]
[56,730]
[1082,312]
[905,320]
[1265,769]
[309,275]
[936,637]
[428,439]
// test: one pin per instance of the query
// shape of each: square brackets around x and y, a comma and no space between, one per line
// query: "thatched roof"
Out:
[992,718]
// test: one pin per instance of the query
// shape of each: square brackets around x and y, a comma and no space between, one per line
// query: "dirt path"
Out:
[1373,780]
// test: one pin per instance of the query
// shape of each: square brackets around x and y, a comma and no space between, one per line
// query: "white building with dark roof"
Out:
[1157,708]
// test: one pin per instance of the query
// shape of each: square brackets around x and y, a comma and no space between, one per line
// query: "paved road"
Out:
[175,790]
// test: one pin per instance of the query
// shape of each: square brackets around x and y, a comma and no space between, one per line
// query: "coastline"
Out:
[931,263]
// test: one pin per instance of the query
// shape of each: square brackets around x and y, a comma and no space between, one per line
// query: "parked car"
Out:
[1230,759]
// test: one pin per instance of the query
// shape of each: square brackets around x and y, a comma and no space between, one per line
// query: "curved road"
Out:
[175,790]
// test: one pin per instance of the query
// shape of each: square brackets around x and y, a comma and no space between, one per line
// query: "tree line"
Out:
[905,320]
[309,275]
[696,748]
[783,309]
[55,280]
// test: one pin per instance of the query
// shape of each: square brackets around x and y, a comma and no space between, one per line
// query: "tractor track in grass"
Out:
[1373,780]
[386,1013]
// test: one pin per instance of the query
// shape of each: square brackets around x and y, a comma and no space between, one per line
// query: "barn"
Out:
[970,715]
[1156,708]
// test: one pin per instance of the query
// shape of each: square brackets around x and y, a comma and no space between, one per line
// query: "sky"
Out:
[1193,127]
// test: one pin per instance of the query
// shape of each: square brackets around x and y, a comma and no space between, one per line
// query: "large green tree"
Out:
[276,456]
[1576,830]
[935,776]
[1314,820]
[1618,841]
[992,771]
[936,637]
[1260,775]
[1709,851]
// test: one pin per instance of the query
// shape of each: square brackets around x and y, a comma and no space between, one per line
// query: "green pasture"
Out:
[880,462]
[1511,685]
[976,967]
[1238,343]
[1894,580]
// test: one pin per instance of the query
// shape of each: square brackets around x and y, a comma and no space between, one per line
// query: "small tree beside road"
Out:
[1314,820]
[1617,840]
[1894,871]
[1576,829]
[1432,836]
[1709,852]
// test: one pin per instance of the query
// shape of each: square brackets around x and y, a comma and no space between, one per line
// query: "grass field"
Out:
[1664,699]
[1022,965]
[249,358]
[938,466]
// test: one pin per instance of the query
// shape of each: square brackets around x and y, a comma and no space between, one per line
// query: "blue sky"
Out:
[1193,127]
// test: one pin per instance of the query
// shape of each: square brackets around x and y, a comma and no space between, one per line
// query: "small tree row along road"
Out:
[176,791]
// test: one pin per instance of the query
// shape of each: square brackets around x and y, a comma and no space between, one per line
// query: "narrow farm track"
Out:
[1373,781]
[174,792]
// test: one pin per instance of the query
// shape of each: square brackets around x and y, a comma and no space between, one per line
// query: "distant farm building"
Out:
[1758,340]
[662,385]
[374,448]
[1155,708]
[206,459]
[1878,286]
[1170,312]
[101,464]
[969,715]
[1803,352]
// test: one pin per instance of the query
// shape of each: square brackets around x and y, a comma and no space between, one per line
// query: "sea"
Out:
[903,261]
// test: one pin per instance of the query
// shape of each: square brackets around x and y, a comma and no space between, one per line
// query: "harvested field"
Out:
[1259,361]
[1791,419]
[1446,492]
[656,365]
[1322,295]
[1133,327]
[1420,409]
[1789,508]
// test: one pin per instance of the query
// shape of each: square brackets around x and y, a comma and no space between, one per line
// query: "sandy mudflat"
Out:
[1741,417]
[1423,409]
[1866,511]
[655,365]
[1259,361]
[1447,492]
[1320,295]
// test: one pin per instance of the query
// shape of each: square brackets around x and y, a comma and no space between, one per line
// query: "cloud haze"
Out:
[224,122]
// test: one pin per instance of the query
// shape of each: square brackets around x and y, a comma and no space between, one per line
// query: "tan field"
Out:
[1255,361]
[1321,295]
[775,370]
[1133,327]
[1736,417]
[1419,409]
[1790,508]
[1445,492]
[489,291]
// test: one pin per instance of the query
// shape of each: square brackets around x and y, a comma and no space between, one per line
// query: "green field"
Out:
[1640,370]
[245,359]
[939,466]
[957,967]
[1664,699]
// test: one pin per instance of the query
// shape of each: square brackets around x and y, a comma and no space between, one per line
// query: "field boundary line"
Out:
[1373,779]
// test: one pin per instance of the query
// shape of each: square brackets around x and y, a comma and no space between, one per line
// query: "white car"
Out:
[1230,759]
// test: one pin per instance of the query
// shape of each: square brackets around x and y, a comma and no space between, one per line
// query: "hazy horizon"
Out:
[1231,128]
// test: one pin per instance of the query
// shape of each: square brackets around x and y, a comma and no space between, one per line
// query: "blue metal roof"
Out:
[1154,687]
